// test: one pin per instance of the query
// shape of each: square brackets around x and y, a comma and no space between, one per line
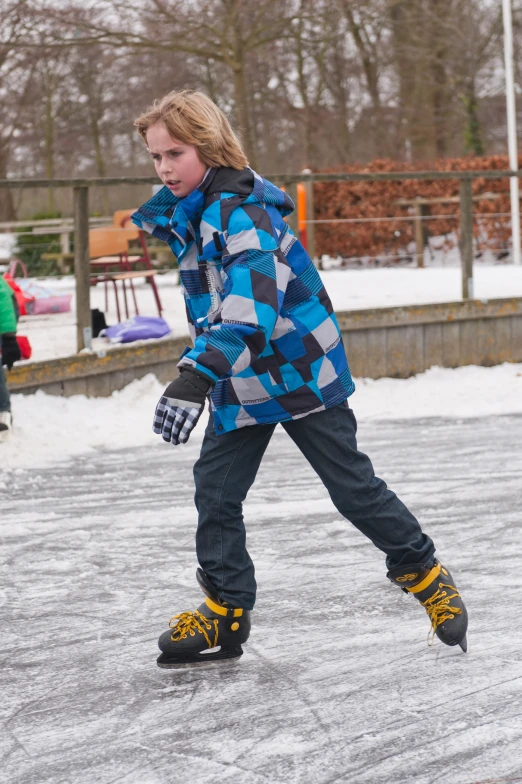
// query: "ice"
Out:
[337,683]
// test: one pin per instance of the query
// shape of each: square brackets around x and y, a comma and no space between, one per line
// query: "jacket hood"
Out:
[266,193]
[238,182]
[166,213]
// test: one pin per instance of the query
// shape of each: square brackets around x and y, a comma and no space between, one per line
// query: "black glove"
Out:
[181,405]
[10,350]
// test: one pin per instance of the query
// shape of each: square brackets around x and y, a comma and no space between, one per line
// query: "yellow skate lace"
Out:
[439,608]
[188,622]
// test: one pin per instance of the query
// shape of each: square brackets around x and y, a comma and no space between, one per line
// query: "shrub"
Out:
[30,247]
[377,199]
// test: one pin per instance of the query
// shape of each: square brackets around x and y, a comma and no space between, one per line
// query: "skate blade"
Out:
[205,665]
[464,644]
[217,657]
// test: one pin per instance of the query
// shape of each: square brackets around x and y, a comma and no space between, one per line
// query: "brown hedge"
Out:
[377,199]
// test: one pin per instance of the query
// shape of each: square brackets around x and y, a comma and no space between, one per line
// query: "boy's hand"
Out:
[10,350]
[181,405]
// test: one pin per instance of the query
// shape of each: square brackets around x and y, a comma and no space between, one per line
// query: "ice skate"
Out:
[6,424]
[435,590]
[212,634]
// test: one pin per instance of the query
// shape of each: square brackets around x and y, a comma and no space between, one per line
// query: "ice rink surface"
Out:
[337,683]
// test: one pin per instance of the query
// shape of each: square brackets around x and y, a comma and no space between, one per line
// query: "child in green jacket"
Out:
[10,353]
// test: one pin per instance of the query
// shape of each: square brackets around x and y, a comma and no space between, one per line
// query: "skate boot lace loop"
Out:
[187,622]
[439,609]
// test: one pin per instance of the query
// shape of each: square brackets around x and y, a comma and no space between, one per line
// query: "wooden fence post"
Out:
[419,234]
[81,269]
[466,237]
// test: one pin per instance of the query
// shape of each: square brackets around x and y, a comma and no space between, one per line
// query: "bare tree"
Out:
[49,99]
[224,31]
[309,82]
[17,67]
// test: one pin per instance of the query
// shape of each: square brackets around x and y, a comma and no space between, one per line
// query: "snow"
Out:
[125,418]
[7,245]
[351,289]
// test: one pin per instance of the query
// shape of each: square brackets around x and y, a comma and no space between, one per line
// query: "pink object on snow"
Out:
[40,300]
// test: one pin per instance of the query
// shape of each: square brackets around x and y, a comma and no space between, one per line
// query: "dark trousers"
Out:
[226,470]
[5,401]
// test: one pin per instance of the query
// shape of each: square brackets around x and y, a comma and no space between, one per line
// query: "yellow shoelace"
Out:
[187,622]
[439,608]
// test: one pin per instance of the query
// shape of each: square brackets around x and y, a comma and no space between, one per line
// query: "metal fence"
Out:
[81,187]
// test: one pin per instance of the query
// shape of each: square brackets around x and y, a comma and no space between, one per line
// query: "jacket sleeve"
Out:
[255,278]
[7,310]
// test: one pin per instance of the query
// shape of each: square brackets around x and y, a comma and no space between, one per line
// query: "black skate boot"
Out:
[211,634]
[435,589]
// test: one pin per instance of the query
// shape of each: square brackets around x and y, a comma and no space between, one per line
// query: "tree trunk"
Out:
[49,147]
[98,153]
[399,25]
[341,98]
[408,30]
[241,92]
[368,63]
[7,207]
[242,113]
[371,76]
[209,81]
[473,138]
[439,54]
[306,155]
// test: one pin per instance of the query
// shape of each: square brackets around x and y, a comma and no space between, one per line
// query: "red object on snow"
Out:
[25,346]
[33,299]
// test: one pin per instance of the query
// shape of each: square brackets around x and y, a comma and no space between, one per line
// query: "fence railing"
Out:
[289,181]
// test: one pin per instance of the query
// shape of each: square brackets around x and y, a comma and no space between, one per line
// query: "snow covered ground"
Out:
[124,419]
[337,683]
[351,289]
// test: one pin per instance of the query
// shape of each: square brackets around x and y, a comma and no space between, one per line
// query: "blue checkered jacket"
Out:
[262,324]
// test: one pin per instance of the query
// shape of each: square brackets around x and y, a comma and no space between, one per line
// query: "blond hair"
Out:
[192,118]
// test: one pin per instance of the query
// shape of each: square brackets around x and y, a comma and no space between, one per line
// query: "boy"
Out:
[267,349]
[10,353]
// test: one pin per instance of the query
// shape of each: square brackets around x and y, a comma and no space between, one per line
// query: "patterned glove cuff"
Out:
[188,386]
[199,380]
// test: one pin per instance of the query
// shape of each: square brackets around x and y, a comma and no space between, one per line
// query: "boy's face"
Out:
[177,164]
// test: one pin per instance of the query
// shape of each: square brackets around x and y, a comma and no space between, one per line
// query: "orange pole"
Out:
[301,213]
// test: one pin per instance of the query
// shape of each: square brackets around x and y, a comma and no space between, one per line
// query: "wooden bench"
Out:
[108,247]
[131,275]
[114,261]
